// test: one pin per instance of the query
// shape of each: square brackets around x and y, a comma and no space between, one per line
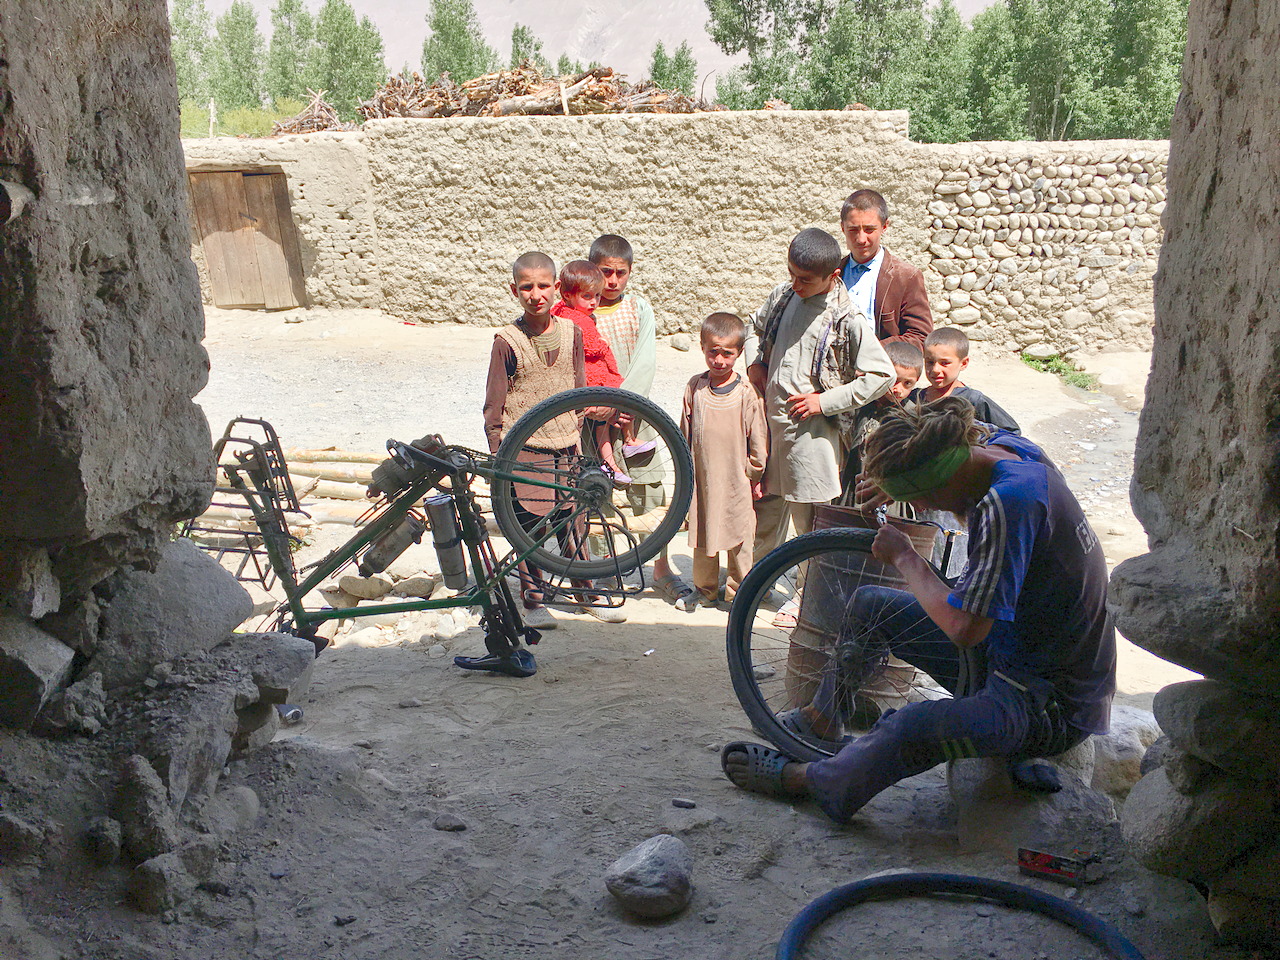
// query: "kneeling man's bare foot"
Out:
[761,769]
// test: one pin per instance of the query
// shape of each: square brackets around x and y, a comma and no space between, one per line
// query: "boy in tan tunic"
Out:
[723,420]
[533,359]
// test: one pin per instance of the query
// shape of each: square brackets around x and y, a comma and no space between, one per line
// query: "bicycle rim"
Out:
[777,663]
[563,506]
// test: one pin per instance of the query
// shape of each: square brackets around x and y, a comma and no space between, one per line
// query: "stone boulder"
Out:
[33,667]
[19,839]
[161,883]
[147,824]
[654,878]
[993,814]
[1196,838]
[1247,921]
[80,708]
[1118,755]
[187,606]
[281,664]
[1217,723]
[189,739]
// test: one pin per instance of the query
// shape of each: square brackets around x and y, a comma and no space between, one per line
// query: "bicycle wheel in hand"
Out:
[809,610]
[565,504]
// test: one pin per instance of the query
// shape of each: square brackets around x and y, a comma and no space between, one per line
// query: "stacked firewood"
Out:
[524,91]
[318,115]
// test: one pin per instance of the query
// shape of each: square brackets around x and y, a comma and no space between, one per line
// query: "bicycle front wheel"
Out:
[566,505]
[820,612]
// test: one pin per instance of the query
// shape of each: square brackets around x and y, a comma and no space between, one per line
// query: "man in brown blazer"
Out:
[881,285]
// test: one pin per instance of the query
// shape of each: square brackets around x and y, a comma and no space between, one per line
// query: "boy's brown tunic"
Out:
[729,441]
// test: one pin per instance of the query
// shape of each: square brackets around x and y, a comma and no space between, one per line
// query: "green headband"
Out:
[934,473]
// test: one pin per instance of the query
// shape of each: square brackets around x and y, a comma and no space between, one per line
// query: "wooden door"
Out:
[250,245]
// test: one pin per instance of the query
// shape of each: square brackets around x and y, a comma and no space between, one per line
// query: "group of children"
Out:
[767,448]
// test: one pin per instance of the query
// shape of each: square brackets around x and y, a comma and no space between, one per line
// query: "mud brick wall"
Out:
[330,194]
[1023,244]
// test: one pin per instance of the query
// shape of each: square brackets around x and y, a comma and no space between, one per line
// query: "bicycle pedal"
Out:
[519,663]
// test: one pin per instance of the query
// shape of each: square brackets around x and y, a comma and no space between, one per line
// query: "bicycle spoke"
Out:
[812,599]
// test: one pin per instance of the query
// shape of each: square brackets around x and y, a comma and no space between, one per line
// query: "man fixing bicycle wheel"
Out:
[1032,595]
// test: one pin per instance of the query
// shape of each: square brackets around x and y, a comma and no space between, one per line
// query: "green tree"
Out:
[292,40]
[677,71]
[189,31]
[566,67]
[236,77]
[1062,46]
[940,112]
[872,52]
[777,37]
[1143,78]
[348,58]
[997,102]
[455,44]
[526,47]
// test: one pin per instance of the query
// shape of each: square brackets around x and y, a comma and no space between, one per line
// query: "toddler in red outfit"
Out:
[581,283]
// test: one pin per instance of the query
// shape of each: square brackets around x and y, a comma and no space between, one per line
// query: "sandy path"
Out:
[557,775]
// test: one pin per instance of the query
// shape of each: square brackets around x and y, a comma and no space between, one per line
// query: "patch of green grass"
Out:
[243,122]
[1064,369]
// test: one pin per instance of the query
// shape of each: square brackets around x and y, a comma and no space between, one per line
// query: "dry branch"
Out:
[318,115]
[524,91]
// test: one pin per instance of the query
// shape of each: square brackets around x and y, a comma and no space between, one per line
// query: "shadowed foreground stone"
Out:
[993,814]
[33,667]
[187,606]
[1117,763]
[147,823]
[654,878]
[1196,837]
[161,883]
[1217,723]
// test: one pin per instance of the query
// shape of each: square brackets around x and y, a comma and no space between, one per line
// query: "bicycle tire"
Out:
[592,500]
[1014,895]
[777,667]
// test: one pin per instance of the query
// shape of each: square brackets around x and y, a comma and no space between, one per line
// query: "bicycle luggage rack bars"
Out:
[254,483]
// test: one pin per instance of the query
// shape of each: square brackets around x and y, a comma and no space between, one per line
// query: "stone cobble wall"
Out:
[1053,249]
[330,194]
[1048,246]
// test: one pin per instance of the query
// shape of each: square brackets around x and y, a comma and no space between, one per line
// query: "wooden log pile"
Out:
[524,91]
[318,115]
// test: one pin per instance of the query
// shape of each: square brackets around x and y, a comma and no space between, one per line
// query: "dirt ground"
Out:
[555,776]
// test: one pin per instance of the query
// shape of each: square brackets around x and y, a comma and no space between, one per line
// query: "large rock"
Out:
[1256,874]
[76,624]
[281,664]
[161,883]
[33,667]
[189,739]
[80,708]
[1118,755]
[1204,485]
[1244,920]
[19,838]
[654,878]
[1217,723]
[187,606]
[1196,838]
[993,814]
[104,448]
[28,583]
[147,823]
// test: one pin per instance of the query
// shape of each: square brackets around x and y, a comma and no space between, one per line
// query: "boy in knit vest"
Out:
[533,358]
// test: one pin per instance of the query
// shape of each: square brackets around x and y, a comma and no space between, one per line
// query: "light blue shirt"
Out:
[860,280]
